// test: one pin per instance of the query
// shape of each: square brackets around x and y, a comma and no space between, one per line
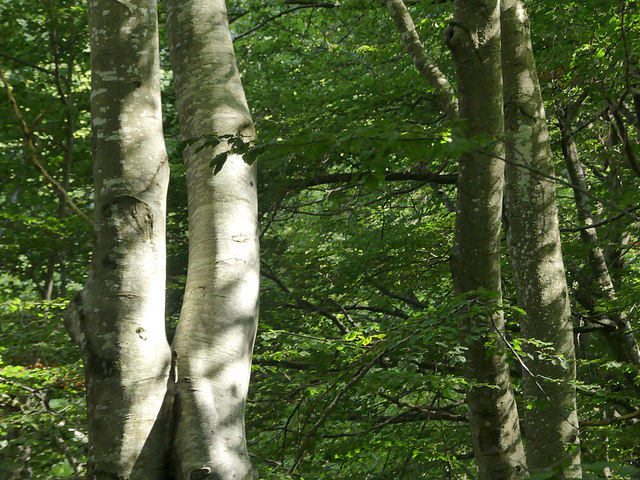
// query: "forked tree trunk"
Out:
[118,318]
[551,424]
[474,39]
[215,334]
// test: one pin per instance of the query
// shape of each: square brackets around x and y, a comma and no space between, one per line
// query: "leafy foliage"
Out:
[358,362]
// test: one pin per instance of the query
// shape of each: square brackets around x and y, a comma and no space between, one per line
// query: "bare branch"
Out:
[36,67]
[602,222]
[612,421]
[304,304]
[300,5]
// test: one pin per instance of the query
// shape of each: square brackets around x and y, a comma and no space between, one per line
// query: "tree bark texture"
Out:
[118,318]
[474,39]
[215,334]
[551,425]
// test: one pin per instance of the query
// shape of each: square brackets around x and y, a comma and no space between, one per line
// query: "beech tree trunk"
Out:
[551,424]
[155,413]
[118,318]
[598,283]
[215,334]
[474,39]
[434,77]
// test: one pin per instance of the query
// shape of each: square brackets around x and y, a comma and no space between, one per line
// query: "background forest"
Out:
[358,362]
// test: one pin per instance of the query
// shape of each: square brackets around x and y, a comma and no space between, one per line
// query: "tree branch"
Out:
[621,131]
[28,137]
[331,178]
[305,304]
[602,222]
[300,5]
[408,300]
[420,413]
[312,3]
[425,65]
[36,67]
[307,437]
[612,421]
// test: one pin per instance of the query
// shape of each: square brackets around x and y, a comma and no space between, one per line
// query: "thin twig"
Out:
[285,12]
[600,223]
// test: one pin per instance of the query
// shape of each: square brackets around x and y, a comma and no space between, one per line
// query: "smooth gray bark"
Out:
[551,424]
[215,334]
[445,94]
[118,318]
[474,39]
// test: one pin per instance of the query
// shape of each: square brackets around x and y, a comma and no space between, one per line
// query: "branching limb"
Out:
[304,304]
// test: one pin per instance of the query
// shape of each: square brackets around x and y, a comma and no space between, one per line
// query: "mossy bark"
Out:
[551,420]
[474,39]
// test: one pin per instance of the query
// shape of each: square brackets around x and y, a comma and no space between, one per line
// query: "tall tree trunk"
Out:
[118,318]
[215,334]
[551,426]
[474,39]
[598,283]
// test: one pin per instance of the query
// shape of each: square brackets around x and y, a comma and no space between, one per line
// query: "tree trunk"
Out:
[551,425]
[474,39]
[598,284]
[118,318]
[401,17]
[215,334]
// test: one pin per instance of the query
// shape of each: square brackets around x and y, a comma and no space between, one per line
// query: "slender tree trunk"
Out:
[438,82]
[474,39]
[65,92]
[215,334]
[598,283]
[64,86]
[551,425]
[118,318]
